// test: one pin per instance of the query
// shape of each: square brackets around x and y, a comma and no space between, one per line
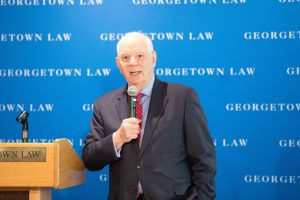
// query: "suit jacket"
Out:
[176,159]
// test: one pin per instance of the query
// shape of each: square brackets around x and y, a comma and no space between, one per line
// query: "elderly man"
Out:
[166,151]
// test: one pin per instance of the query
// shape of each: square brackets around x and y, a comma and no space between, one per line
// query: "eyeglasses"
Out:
[127,58]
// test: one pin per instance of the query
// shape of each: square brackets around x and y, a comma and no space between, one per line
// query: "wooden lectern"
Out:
[32,169]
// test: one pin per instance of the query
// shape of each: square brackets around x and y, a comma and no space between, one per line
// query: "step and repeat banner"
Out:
[241,56]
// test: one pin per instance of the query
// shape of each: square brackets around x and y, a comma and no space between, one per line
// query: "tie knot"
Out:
[139,96]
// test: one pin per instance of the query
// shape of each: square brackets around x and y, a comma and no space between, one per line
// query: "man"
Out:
[172,155]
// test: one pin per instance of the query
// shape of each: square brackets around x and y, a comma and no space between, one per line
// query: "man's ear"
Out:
[154,58]
[118,63]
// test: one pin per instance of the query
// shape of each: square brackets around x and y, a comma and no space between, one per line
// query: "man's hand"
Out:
[128,130]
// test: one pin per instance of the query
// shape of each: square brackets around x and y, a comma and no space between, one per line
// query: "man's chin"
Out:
[137,84]
[135,81]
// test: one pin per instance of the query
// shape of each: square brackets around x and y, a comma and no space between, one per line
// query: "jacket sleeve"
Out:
[200,148]
[99,148]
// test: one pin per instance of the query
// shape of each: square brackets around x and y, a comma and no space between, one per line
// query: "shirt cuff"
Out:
[118,153]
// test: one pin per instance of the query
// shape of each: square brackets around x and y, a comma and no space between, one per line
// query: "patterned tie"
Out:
[139,113]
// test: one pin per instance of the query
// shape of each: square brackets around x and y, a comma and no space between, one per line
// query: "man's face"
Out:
[135,62]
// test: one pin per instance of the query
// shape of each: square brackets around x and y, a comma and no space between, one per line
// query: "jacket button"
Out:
[138,165]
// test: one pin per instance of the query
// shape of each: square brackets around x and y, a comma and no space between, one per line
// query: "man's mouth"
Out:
[135,73]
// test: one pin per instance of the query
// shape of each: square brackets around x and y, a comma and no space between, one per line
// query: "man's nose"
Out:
[133,60]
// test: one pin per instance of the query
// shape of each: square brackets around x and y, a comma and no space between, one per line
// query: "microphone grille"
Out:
[132,91]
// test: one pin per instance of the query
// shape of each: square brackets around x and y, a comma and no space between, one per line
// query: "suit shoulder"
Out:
[176,87]
[108,97]
[180,91]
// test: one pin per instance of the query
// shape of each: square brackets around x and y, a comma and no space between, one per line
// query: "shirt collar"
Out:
[148,89]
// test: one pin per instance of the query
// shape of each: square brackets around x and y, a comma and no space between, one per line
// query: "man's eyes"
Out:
[137,57]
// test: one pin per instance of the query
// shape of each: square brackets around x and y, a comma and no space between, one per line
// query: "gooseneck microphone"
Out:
[132,91]
[22,118]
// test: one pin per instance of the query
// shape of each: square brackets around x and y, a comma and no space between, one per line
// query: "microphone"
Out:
[132,91]
[22,119]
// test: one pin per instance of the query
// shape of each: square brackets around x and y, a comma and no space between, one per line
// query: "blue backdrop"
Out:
[241,56]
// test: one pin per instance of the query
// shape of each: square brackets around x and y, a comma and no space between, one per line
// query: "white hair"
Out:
[136,34]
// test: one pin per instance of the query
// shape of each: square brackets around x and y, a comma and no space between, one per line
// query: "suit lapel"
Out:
[122,105]
[156,108]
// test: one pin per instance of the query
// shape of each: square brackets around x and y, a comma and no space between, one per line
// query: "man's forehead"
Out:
[133,41]
[129,50]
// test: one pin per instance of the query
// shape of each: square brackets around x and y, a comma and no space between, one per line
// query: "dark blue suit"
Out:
[177,156]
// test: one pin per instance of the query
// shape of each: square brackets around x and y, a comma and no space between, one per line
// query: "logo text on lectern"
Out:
[22,154]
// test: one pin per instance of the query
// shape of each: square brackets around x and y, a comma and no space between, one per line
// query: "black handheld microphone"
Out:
[22,118]
[132,91]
